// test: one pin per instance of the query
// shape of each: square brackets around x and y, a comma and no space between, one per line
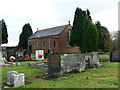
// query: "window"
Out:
[43,44]
[36,44]
[54,44]
[68,37]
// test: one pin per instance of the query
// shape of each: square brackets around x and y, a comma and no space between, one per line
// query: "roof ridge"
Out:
[51,28]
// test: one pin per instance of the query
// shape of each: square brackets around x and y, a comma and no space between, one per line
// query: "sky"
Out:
[44,14]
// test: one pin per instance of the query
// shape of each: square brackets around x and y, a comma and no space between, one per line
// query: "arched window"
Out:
[68,37]
[54,44]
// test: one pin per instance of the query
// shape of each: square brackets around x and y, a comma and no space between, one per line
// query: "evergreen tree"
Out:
[4,33]
[87,19]
[104,37]
[77,29]
[92,37]
[88,14]
[23,39]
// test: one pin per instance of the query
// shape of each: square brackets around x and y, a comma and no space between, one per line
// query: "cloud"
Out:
[49,13]
[108,18]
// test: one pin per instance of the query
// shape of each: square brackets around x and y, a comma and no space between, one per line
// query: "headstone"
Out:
[15,78]
[39,54]
[18,79]
[115,56]
[10,53]
[94,60]
[10,77]
[26,53]
[74,62]
[53,69]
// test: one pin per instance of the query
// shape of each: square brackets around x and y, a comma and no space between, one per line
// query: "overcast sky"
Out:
[43,14]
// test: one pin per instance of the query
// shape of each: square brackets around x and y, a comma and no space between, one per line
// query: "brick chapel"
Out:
[56,38]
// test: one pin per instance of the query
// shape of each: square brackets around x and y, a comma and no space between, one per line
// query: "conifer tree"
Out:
[92,37]
[23,39]
[4,33]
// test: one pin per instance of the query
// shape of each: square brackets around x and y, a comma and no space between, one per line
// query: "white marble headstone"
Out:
[15,78]
[39,54]
[10,77]
[19,79]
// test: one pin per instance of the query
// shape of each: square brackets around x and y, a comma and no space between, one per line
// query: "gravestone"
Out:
[18,79]
[39,54]
[10,53]
[15,78]
[26,53]
[10,77]
[115,56]
[53,69]
[74,62]
[94,60]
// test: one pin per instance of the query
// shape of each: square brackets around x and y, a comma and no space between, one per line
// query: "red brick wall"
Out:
[61,43]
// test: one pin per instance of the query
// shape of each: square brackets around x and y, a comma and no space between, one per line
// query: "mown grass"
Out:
[105,77]
[104,57]
[30,73]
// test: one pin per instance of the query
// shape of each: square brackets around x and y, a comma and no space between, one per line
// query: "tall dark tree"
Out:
[77,29]
[23,39]
[88,14]
[92,37]
[104,37]
[87,19]
[4,33]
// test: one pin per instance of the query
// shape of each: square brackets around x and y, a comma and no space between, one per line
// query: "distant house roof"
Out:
[48,32]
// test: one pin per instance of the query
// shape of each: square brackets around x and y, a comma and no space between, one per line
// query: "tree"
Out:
[87,19]
[104,37]
[4,33]
[92,37]
[77,29]
[23,39]
[88,14]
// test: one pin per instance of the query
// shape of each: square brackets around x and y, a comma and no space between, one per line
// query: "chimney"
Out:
[37,29]
[69,22]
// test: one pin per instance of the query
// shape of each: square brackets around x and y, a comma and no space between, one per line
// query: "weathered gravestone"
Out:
[115,56]
[10,53]
[94,60]
[39,54]
[15,78]
[74,62]
[53,69]
[26,53]
[19,56]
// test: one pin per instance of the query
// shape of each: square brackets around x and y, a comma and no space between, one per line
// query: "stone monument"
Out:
[74,62]
[53,69]
[115,56]
[94,60]
[15,78]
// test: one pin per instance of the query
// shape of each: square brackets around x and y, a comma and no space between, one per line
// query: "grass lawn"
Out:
[105,77]
[104,56]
